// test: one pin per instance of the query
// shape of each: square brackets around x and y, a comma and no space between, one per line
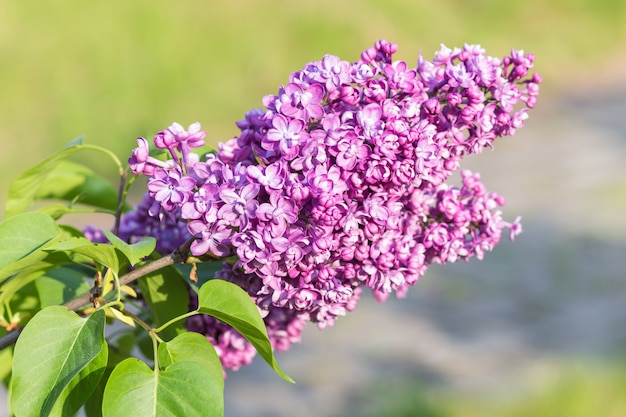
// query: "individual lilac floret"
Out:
[170,188]
[341,183]
[176,139]
[142,163]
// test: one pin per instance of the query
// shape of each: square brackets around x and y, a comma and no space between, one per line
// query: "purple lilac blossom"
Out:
[340,183]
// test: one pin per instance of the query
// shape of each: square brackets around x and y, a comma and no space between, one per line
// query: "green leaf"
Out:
[70,231]
[181,389]
[59,286]
[119,350]
[23,190]
[71,181]
[77,141]
[58,210]
[58,355]
[26,302]
[136,251]
[80,388]
[196,348]
[167,296]
[101,253]
[71,244]
[26,276]
[30,184]
[104,254]
[22,240]
[232,305]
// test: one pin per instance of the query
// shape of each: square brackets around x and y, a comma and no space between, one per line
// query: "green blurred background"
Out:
[115,70]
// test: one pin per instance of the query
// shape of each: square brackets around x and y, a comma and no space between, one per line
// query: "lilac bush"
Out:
[341,182]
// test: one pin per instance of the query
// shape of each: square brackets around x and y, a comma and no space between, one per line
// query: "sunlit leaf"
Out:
[101,253]
[22,240]
[127,320]
[71,181]
[108,282]
[229,303]
[181,389]
[23,190]
[58,210]
[72,243]
[33,183]
[69,362]
[128,291]
[136,251]
[192,347]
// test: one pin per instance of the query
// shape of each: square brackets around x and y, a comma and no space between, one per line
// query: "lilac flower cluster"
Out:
[340,183]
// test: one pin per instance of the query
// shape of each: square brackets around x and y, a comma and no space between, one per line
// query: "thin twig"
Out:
[121,193]
[9,339]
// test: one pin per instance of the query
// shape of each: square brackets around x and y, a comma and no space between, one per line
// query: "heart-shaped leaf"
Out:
[192,347]
[181,389]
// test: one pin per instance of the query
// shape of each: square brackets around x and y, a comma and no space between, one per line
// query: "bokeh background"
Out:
[536,329]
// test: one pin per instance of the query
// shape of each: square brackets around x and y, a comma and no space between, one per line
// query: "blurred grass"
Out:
[568,390]
[116,70]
